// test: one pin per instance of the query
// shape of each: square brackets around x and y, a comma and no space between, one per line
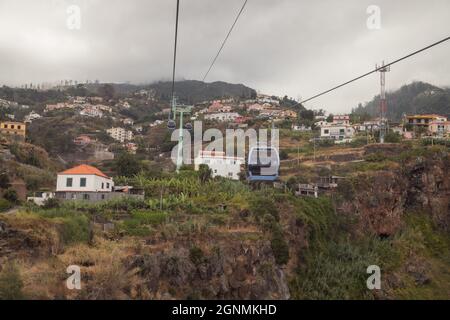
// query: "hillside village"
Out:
[89,167]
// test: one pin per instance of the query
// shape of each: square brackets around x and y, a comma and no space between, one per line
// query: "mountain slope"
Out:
[417,97]
[192,91]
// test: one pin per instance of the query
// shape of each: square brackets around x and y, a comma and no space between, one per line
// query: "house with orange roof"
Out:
[83,182]
[88,183]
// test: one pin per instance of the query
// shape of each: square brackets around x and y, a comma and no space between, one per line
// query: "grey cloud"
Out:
[282,47]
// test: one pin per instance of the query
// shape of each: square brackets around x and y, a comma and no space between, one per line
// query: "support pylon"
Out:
[384,124]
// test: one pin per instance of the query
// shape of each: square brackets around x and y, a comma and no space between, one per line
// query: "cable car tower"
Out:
[181,110]
[384,125]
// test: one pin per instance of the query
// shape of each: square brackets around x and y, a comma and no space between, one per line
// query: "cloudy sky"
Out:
[292,47]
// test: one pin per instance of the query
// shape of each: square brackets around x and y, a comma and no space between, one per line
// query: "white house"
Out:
[337,132]
[220,164]
[39,198]
[223,116]
[32,116]
[341,119]
[83,182]
[321,123]
[83,178]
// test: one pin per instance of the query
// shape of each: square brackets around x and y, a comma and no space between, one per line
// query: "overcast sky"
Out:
[291,47]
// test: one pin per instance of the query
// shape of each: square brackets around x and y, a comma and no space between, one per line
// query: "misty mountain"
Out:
[187,91]
[192,91]
[417,97]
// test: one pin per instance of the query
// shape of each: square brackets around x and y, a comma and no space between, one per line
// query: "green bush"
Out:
[75,229]
[11,195]
[279,246]
[5,205]
[133,227]
[262,205]
[196,255]
[10,283]
[149,217]
[375,157]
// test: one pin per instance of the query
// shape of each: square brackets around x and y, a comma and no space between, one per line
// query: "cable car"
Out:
[263,164]
[188,126]
[171,125]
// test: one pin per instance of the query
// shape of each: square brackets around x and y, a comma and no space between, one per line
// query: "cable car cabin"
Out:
[263,164]
[171,125]
[188,126]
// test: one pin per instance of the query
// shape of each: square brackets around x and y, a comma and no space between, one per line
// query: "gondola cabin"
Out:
[263,164]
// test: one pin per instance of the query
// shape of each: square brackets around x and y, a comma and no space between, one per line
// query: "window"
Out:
[82,182]
[103,185]
[107,185]
[69,182]
[5,126]
[19,127]
[230,174]
[341,131]
[103,197]
[85,196]
[215,170]
[12,126]
[326,131]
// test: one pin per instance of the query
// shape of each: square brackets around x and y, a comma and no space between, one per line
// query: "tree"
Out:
[204,173]
[11,195]
[127,165]
[330,118]
[4,180]
[107,91]
[284,155]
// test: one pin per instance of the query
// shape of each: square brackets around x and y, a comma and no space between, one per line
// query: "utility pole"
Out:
[181,109]
[383,104]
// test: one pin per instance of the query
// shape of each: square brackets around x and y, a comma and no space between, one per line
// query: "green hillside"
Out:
[417,97]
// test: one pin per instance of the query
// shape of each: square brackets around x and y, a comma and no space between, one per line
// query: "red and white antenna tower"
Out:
[383,105]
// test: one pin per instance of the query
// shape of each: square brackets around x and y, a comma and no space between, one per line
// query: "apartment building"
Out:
[14,129]
[120,134]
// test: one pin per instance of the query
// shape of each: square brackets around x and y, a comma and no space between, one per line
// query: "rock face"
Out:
[380,199]
[233,271]
[429,188]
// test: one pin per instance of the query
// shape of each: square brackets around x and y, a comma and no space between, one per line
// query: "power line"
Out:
[224,41]
[175,50]
[373,71]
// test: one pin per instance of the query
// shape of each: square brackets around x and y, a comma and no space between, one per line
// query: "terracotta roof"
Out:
[84,169]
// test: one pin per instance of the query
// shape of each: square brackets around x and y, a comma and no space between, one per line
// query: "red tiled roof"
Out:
[84,169]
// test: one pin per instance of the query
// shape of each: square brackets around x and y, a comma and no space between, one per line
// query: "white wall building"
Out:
[341,119]
[337,132]
[32,116]
[83,178]
[120,134]
[220,164]
[223,116]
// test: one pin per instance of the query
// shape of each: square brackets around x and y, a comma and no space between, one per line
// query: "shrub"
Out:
[10,283]
[150,218]
[375,157]
[262,206]
[11,195]
[284,155]
[133,227]
[75,229]
[393,137]
[279,246]
[196,255]
[51,203]
[5,205]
